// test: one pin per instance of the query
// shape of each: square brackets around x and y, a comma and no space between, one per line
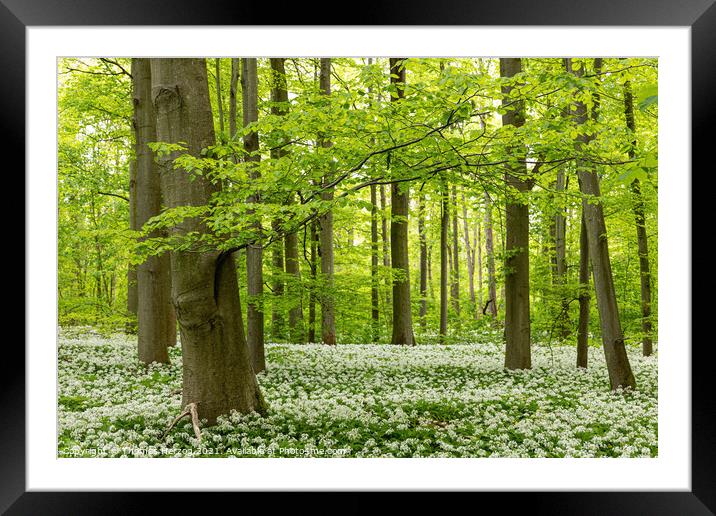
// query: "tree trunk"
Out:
[312,292]
[455,287]
[374,294]
[470,253]
[385,239]
[444,223]
[278,321]
[642,242]
[328,308]
[132,269]
[155,317]
[422,238]
[479,268]
[254,251]
[399,211]
[583,326]
[517,265]
[217,372]
[219,96]
[490,251]
[620,374]
[235,72]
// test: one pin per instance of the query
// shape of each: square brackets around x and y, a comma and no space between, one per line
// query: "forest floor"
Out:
[362,400]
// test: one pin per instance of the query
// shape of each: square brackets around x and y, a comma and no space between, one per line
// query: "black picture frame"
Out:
[699,15]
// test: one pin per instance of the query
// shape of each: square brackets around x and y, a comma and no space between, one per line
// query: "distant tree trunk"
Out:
[490,251]
[620,374]
[422,238]
[583,326]
[155,315]
[235,72]
[384,238]
[132,269]
[278,322]
[455,287]
[219,96]
[470,253]
[517,265]
[328,308]
[217,372]
[254,251]
[312,292]
[560,257]
[400,208]
[642,242]
[479,268]
[374,294]
[444,223]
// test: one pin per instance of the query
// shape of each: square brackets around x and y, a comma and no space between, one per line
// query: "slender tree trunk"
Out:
[312,292]
[278,322]
[640,219]
[470,252]
[560,256]
[517,265]
[132,269]
[235,73]
[217,372]
[400,208]
[254,251]
[422,238]
[155,316]
[490,251]
[620,373]
[374,294]
[328,308]
[385,239]
[219,96]
[455,287]
[583,326]
[444,223]
[479,268]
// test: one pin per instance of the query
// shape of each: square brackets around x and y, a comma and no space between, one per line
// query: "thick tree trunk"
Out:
[642,241]
[422,238]
[583,325]
[254,251]
[620,374]
[399,211]
[328,307]
[517,265]
[155,316]
[444,223]
[490,251]
[217,372]
[374,293]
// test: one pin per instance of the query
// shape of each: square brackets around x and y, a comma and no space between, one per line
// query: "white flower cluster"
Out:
[363,401]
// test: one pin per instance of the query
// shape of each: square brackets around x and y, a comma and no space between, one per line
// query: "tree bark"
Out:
[583,325]
[312,292]
[156,326]
[640,220]
[400,207]
[490,251]
[444,224]
[328,307]
[219,96]
[455,287]
[470,253]
[385,239]
[620,373]
[517,265]
[422,238]
[217,372]
[278,322]
[374,293]
[132,299]
[254,251]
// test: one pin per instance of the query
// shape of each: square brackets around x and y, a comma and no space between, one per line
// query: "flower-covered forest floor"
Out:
[362,400]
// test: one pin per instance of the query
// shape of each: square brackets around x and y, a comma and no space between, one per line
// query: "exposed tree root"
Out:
[189,410]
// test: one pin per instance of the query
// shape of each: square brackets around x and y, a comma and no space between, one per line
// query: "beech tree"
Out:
[217,372]
[156,322]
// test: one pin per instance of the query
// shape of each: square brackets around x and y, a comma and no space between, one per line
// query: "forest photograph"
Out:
[346,257]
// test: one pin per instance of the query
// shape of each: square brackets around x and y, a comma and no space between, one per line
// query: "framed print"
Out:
[167,145]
